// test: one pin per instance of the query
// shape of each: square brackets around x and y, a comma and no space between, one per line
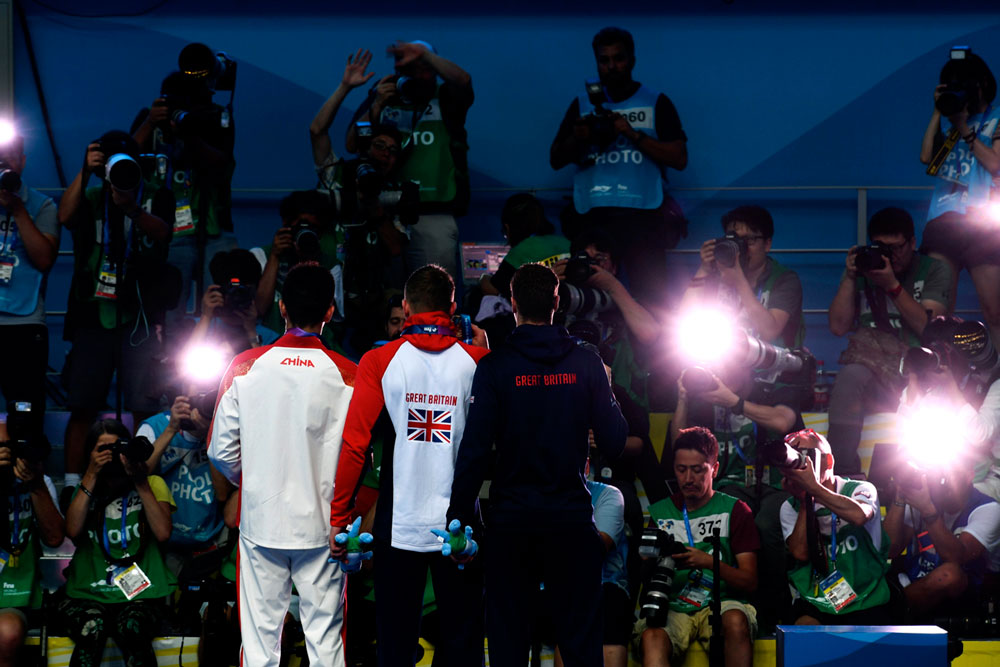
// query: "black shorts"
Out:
[872,616]
[91,365]
[965,241]
[619,615]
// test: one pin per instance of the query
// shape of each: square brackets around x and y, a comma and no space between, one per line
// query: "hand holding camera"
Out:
[912,489]
[354,72]
[283,243]
[94,160]
[159,112]
[180,411]
[212,301]
[384,91]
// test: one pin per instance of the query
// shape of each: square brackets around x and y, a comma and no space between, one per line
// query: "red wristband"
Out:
[896,291]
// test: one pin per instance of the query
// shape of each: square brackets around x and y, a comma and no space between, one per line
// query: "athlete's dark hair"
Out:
[307,294]
[534,287]
[429,288]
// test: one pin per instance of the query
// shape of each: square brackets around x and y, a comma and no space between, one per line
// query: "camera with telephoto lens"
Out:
[578,268]
[729,250]
[961,90]
[121,170]
[872,257]
[136,450]
[656,593]
[922,361]
[306,239]
[215,68]
[779,454]
[10,180]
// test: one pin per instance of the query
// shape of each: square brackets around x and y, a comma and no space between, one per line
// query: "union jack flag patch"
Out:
[429,426]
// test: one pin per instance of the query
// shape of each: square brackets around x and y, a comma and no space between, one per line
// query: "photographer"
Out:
[412,381]
[833,529]
[29,247]
[120,288]
[887,294]
[666,629]
[743,414]
[537,398]
[430,118]
[766,296]
[306,235]
[32,520]
[191,140]
[622,139]
[959,145]
[950,532]
[228,308]
[117,582]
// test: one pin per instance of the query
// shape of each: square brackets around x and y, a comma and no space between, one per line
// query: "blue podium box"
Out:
[821,645]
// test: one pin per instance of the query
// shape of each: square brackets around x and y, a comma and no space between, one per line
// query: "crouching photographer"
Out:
[117,580]
[31,519]
[674,606]
[833,529]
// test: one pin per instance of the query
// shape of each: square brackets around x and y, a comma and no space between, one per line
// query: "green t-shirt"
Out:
[87,573]
[188,202]
[20,584]
[862,563]
[736,530]
[546,249]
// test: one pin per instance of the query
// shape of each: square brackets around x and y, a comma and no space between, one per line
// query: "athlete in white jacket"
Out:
[276,434]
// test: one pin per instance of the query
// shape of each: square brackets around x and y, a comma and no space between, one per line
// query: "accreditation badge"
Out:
[837,591]
[130,580]
[107,282]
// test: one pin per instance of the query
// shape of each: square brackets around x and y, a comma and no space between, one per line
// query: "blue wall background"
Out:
[771,95]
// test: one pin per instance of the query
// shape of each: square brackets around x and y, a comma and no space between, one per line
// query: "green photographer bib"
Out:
[19,577]
[913,282]
[87,575]
[738,451]
[427,158]
[188,202]
[717,513]
[862,565]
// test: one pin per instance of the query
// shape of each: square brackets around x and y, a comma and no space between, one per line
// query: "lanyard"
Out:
[301,333]
[687,525]
[107,546]
[106,242]
[15,537]
[431,329]
[833,540]
[982,121]
[735,437]
[13,236]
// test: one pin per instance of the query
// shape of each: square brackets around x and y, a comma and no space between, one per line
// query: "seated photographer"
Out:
[621,137]
[743,414]
[432,147]
[32,520]
[120,287]
[887,294]
[833,529]
[950,532]
[738,272]
[306,235]
[191,139]
[117,582]
[675,603]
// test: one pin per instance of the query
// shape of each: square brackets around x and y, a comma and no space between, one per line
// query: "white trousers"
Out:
[265,591]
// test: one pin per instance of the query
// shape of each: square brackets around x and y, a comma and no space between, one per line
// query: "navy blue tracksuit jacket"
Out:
[537,398]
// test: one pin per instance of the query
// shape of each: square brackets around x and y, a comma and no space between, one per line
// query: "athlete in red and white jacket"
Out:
[423,380]
[276,434]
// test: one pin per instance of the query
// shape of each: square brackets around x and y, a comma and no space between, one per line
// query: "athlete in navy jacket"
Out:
[537,398]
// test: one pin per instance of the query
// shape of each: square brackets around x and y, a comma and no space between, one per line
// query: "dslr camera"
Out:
[600,122]
[961,90]
[136,450]
[237,297]
[10,180]
[729,250]
[655,601]
[305,236]
[779,454]
[872,257]
[578,269]
[27,441]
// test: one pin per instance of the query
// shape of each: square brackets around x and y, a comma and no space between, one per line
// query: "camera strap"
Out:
[106,240]
[833,540]
[687,524]
[879,310]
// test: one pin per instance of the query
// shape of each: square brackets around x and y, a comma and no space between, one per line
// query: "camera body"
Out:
[237,297]
[600,122]
[729,250]
[960,90]
[27,440]
[872,257]
[305,236]
[578,269]
[136,450]
[922,361]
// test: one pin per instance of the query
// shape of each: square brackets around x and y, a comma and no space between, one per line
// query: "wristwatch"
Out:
[738,408]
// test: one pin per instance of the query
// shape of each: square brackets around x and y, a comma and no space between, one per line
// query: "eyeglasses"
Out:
[393,149]
[896,248]
[750,239]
